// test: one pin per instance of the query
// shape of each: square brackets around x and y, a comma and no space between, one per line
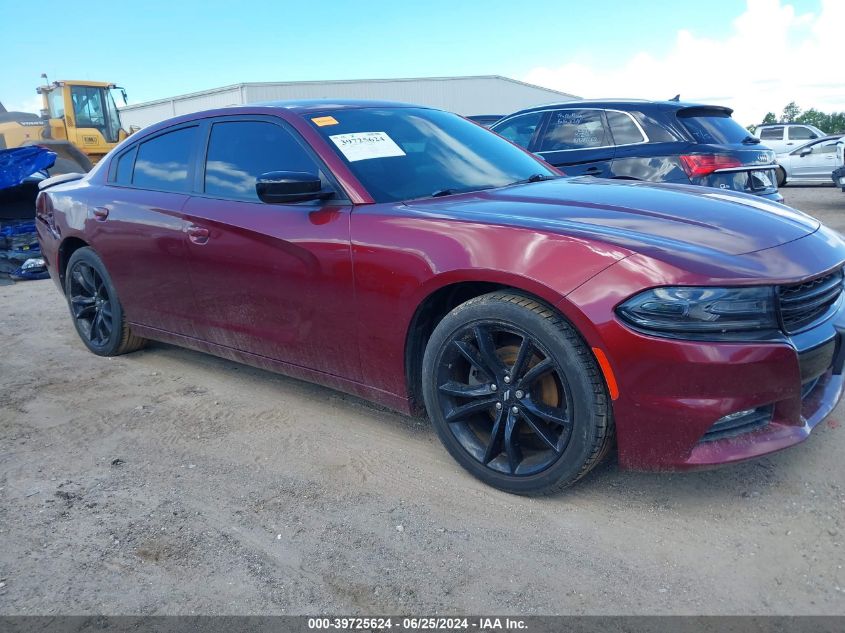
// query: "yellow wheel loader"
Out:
[78,121]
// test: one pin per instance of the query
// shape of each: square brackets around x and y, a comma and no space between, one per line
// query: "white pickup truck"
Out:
[782,137]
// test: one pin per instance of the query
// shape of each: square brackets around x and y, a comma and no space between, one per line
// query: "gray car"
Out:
[809,164]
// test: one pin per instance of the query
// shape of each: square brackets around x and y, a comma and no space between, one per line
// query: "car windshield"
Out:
[712,126]
[407,153]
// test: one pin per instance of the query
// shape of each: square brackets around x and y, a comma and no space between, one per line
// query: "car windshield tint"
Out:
[712,126]
[406,153]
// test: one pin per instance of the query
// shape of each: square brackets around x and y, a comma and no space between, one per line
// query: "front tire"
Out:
[781,176]
[516,395]
[96,311]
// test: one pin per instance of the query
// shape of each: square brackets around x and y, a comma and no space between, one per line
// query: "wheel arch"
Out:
[439,300]
[67,248]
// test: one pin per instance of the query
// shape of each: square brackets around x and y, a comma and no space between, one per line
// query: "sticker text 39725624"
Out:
[365,145]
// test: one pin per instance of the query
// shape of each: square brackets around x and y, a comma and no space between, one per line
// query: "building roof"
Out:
[240,86]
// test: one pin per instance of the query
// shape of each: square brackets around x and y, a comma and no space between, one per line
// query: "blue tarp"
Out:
[18,163]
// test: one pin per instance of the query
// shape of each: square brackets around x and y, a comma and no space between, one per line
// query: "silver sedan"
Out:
[810,164]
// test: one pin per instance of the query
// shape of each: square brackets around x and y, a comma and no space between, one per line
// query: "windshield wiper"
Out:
[750,140]
[448,192]
[534,178]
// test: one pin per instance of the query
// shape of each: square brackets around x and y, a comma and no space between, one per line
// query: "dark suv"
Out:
[658,141]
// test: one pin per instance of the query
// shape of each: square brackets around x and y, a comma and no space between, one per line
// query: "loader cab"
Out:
[84,113]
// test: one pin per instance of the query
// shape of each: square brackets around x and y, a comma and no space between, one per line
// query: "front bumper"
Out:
[672,392]
[682,389]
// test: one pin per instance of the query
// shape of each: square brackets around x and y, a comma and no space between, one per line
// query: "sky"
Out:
[752,55]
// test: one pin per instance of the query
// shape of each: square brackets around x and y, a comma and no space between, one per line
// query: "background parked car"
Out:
[783,137]
[658,141]
[485,119]
[838,174]
[810,164]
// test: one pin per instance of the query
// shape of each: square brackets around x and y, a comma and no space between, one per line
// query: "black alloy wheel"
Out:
[90,304]
[515,394]
[96,311]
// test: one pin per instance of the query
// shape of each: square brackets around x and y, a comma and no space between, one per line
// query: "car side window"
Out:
[623,128]
[574,129]
[240,151]
[771,134]
[125,164]
[520,129]
[163,162]
[825,148]
[654,129]
[800,133]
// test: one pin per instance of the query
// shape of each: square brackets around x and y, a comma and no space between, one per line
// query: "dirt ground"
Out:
[169,481]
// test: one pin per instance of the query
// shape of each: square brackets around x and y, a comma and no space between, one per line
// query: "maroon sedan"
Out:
[413,258]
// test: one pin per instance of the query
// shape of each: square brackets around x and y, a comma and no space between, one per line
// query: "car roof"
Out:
[787,124]
[307,106]
[623,104]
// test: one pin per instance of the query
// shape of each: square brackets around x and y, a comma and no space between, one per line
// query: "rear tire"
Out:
[96,311]
[781,176]
[516,395]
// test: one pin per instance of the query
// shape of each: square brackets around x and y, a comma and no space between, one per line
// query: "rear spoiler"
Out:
[704,110]
[57,180]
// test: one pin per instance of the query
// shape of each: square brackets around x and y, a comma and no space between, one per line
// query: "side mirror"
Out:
[805,152]
[281,187]
[813,135]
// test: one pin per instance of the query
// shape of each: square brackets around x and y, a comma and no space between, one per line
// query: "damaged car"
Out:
[415,259]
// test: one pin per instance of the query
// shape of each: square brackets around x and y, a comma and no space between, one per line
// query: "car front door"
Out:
[521,129]
[798,135]
[814,162]
[140,232]
[274,280]
[577,140]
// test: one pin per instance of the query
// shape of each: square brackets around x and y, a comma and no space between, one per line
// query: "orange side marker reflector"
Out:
[609,378]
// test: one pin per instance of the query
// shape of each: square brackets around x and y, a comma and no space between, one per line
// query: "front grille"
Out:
[739,423]
[801,304]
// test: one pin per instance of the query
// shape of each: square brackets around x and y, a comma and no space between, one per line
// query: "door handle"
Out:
[100,213]
[197,234]
[592,170]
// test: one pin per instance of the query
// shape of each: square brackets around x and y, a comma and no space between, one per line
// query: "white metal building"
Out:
[487,94]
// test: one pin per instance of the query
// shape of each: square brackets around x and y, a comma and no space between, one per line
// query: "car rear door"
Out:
[577,140]
[274,280]
[139,231]
[772,137]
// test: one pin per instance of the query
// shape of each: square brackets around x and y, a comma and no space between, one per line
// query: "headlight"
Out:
[704,313]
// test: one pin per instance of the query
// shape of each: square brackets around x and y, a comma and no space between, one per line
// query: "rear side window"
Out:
[712,126]
[800,134]
[520,130]
[655,130]
[771,134]
[240,151]
[574,129]
[163,163]
[623,128]
[125,163]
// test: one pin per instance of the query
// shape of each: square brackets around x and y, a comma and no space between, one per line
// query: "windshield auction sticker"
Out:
[365,145]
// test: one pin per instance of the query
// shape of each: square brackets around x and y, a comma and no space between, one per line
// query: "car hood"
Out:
[642,217]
